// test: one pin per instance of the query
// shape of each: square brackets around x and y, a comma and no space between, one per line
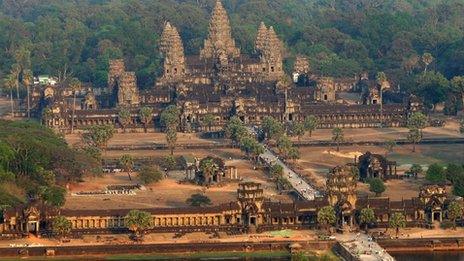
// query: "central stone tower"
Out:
[219,45]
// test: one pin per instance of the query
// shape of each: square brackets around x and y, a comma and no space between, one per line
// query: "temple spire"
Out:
[219,42]
[261,37]
[173,51]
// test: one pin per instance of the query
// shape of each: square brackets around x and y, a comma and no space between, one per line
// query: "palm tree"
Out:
[9,83]
[381,78]
[127,163]
[16,71]
[146,116]
[138,222]
[208,121]
[208,167]
[27,81]
[75,85]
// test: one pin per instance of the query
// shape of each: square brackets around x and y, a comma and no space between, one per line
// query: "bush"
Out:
[150,174]
[447,224]
[377,186]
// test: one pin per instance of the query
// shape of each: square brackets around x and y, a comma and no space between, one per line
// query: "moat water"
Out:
[430,256]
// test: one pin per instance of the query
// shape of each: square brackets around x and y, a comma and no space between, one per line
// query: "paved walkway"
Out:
[303,188]
[362,246]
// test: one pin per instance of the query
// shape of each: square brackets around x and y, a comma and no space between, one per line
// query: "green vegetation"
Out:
[126,162]
[338,136]
[326,216]
[150,174]
[170,121]
[367,217]
[138,222]
[455,211]
[61,227]
[435,174]
[377,186]
[198,200]
[397,221]
[310,124]
[146,117]
[37,163]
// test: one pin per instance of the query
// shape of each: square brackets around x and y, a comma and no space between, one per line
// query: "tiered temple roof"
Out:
[219,42]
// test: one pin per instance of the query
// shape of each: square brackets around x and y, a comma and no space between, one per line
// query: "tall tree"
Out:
[98,135]
[10,83]
[377,186]
[338,136]
[326,216]
[146,116]
[435,174]
[396,221]
[138,222]
[272,128]
[171,139]
[61,226]
[75,86]
[124,117]
[126,162]
[417,120]
[415,137]
[16,73]
[310,124]
[298,129]
[208,121]
[454,212]
[27,81]
[366,217]
[458,86]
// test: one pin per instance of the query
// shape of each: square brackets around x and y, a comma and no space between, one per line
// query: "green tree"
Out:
[171,139]
[435,174]
[284,144]
[326,216]
[9,83]
[396,221]
[27,82]
[75,86]
[381,77]
[276,170]
[98,135]
[311,123]
[138,222]
[198,200]
[208,121]
[146,117]
[208,166]
[124,117]
[169,118]
[293,153]
[458,186]
[126,162]
[457,83]
[150,174]
[455,211]
[377,186]
[453,171]
[298,130]
[417,120]
[272,128]
[432,87]
[54,196]
[366,217]
[235,130]
[415,137]
[169,162]
[389,146]
[61,226]
[338,136]
[256,150]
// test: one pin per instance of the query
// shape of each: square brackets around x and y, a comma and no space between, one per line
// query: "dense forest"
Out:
[342,38]
[36,163]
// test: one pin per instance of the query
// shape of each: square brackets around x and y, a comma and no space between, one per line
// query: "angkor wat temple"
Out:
[222,82]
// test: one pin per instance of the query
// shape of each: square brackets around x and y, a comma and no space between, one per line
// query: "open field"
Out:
[315,163]
[169,193]
[127,139]
[450,130]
